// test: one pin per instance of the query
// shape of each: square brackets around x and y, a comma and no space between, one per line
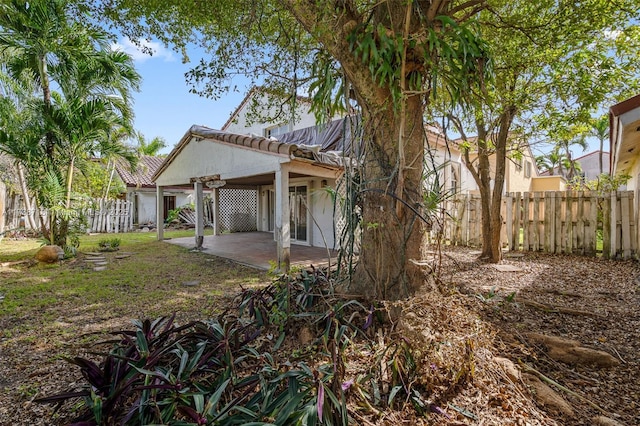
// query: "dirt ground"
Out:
[592,301]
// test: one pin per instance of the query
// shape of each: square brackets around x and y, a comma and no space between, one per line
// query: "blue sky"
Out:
[164,107]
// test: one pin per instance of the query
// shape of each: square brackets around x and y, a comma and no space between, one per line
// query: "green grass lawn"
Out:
[149,283]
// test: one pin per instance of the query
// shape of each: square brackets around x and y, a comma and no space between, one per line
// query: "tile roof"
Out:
[258,143]
[141,177]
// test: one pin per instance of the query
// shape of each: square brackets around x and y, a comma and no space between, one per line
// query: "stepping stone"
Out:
[122,256]
[96,259]
[99,268]
[93,253]
[513,255]
[191,283]
[126,253]
[101,263]
[507,268]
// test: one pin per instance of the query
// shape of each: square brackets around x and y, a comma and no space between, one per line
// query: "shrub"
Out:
[109,244]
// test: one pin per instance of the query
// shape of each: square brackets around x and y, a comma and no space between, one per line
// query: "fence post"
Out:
[613,225]
[625,225]
[517,210]
[526,229]
[509,220]
[549,225]
[536,221]
[568,223]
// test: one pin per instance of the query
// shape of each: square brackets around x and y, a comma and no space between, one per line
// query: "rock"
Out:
[190,283]
[509,368]
[145,229]
[605,421]
[305,337]
[570,352]
[49,254]
[546,396]
[99,268]
[122,256]
[506,268]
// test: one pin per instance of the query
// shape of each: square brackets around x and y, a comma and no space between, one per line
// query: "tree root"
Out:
[559,310]
[544,378]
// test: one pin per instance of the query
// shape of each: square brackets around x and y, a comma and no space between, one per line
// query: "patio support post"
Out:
[160,212]
[216,211]
[197,189]
[282,219]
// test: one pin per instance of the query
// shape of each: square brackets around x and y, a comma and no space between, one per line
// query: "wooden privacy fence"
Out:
[578,222]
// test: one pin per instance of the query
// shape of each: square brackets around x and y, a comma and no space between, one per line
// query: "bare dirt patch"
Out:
[594,302]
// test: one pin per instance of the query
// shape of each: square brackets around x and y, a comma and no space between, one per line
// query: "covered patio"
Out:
[257,249]
[289,179]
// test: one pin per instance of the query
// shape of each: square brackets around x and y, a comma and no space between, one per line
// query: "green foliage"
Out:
[212,372]
[174,214]
[68,92]
[603,184]
[109,244]
[95,178]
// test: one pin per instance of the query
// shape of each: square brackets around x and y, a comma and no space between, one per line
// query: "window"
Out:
[527,169]
[454,183]
[276,131]
[518,162]
[169,204]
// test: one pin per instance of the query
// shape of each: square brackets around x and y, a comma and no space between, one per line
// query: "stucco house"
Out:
[141,190]
[624,137]
[283,181]
[520,173]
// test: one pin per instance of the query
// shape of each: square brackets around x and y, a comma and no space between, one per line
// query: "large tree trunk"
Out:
[394,135]
[392,195]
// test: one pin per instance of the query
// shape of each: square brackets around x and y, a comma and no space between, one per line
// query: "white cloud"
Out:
[137,53]
[612,34]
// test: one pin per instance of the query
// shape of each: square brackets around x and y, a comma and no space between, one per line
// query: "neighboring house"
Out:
[259,115]
[520,173]
[141,190]
[624,137]
[589,166]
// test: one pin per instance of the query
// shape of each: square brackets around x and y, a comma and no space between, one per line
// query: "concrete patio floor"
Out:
[255,249]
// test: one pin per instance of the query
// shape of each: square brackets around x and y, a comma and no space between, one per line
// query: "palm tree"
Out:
[600,129]
[150,147]
[551,162]
[51,50]
[564,147]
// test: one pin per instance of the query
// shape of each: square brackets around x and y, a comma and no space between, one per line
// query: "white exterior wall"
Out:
[320,219]
[146,206]
[440,157]
[205,157]
[322,210]
[243,125]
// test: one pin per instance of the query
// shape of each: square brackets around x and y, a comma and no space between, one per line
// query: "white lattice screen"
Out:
[238,210]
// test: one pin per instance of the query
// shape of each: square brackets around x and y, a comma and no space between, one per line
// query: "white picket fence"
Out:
[103,216]
[111,216]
